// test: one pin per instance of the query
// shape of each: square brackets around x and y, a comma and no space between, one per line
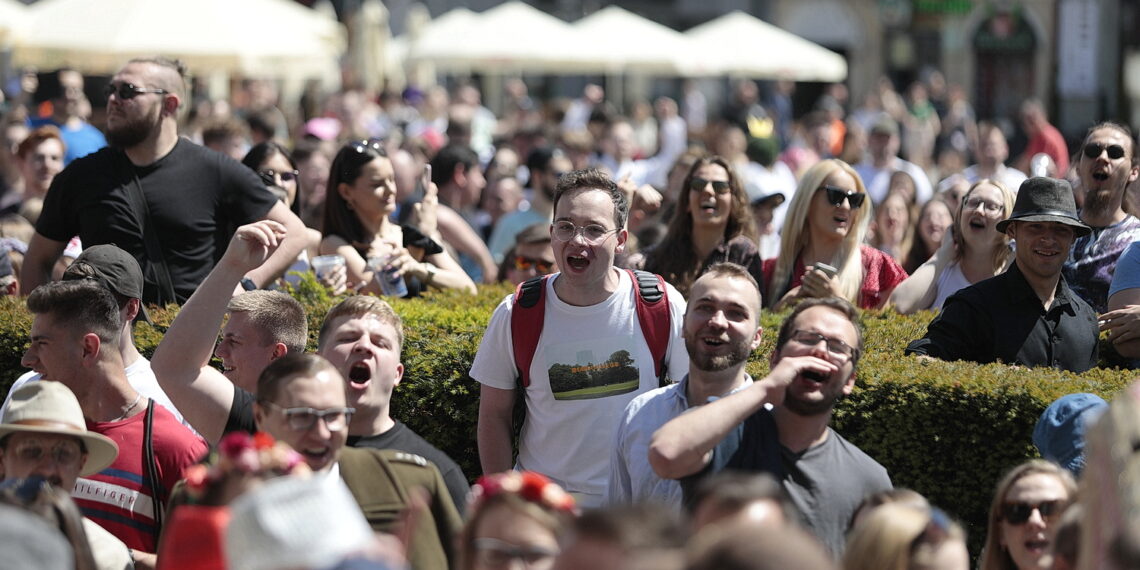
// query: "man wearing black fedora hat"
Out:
[1028,315]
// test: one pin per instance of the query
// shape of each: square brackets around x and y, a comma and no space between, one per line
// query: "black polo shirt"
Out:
[1001,319]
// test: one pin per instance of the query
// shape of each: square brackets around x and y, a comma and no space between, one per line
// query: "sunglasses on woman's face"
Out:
[699,184]
[835,196]
[1016,513]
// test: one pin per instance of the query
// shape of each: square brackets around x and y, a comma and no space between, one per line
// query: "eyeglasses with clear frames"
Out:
[592,233]
[66,453]
[303,419]
[973,202]
[834,346]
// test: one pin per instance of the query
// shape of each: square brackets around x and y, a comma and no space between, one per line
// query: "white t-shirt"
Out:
[601,362]
[949,282]
[877,181]
[140,376]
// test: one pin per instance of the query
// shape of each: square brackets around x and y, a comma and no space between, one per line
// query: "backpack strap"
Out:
[653,315]
[527,318]
[529,314]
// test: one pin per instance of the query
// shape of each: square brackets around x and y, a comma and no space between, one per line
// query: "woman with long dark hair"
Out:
[360,200]
[712,223]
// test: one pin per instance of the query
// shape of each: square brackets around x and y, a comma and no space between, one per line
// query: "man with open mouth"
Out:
[361,336]
[1107,166]
[721,329]
[1027,316]
[591,357]
[779,424]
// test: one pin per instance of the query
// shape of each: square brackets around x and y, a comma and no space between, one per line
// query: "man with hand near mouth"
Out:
[591,357]
[779,424]
[1028,315]
[1107,166]
[721,329]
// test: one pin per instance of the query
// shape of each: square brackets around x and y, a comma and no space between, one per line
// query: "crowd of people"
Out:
[643,250]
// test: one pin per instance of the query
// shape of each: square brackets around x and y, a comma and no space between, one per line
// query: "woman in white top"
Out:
[978,251]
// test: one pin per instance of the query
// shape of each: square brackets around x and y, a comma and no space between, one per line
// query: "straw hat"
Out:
[50,407]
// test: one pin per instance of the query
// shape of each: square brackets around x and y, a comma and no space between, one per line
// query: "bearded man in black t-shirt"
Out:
[170,203]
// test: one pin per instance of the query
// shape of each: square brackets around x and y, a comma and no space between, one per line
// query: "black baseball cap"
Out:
[114,269]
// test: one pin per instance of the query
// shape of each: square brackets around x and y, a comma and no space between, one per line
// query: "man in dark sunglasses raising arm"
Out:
[168,202]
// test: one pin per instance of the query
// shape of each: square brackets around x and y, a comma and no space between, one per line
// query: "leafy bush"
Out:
[946,429]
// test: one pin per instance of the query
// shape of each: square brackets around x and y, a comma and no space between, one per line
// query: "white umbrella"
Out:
[621,40]
[741,45]
[264,38]
[440,38]
[511,37]
[13,17]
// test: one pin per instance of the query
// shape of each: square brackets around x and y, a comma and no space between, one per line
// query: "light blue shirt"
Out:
[632,479]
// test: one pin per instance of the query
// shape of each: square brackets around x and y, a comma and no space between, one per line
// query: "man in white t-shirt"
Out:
[591,343]
[882,161]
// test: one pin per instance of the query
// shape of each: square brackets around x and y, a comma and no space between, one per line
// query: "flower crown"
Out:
[241,454]
[531,486]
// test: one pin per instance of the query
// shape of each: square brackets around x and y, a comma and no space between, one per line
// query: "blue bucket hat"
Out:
[1060,432]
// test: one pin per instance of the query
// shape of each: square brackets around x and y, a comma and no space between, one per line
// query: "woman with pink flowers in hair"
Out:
[514,516]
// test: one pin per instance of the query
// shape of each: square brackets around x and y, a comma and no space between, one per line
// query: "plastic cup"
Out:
[323,265]
[392,284]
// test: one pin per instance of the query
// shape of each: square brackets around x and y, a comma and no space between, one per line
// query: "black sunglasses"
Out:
[362,146]
[1093,150]
[835,196]
[719,186]
[268,175]
[129,90]
[1018,513]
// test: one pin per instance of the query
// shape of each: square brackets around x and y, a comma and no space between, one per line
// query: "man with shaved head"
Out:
[170,203]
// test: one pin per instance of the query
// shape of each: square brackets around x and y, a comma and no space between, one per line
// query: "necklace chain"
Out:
[128,410]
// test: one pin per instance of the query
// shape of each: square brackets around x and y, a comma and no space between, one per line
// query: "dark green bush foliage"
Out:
[945,429]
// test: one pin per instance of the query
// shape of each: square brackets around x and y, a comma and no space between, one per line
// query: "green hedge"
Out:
[947,430]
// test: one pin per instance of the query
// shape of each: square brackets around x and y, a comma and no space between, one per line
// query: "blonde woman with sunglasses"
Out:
[822,253]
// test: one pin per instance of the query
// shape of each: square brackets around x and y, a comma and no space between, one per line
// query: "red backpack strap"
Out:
[653,314]
[527,317]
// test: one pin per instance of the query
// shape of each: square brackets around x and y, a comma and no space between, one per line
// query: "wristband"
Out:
[248,284]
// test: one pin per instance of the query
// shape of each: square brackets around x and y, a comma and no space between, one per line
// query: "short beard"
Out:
[706,363]
[804,408]
[130,134]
